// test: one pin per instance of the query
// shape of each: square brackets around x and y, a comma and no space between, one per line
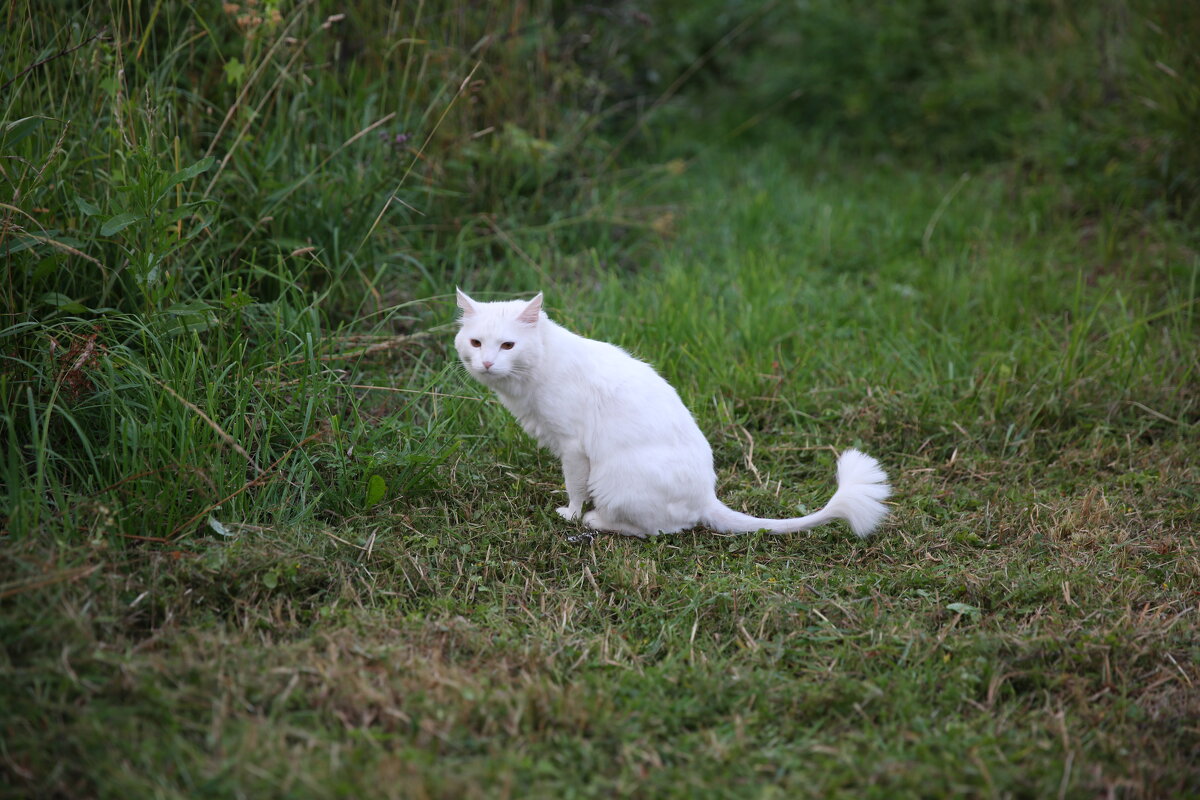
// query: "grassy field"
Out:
[264,538]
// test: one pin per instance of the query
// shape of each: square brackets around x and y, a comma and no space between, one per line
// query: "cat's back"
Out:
[629,411]
[612,390]
[605,364]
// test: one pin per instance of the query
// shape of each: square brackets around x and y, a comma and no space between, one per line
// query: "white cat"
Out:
[626,441]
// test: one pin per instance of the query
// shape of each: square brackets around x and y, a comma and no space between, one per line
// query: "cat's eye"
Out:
[508,345]
[475,343]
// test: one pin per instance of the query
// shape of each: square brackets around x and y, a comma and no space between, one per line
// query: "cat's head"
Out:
[499,341]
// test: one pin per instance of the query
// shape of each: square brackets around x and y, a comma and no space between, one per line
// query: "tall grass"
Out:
[199,204]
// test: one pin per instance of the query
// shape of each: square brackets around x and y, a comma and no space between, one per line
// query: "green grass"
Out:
[1024,626]
[384,602]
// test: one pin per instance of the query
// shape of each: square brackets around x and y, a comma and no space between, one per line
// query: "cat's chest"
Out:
[542,420]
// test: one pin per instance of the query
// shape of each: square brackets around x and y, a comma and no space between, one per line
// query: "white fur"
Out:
[626,441]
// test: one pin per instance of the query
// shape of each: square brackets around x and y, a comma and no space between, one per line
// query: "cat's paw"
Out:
[569,513]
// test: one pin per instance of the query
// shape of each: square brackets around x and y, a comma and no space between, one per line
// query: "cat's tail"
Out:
[862,488]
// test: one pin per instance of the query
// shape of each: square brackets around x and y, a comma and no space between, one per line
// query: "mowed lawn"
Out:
[1025,625]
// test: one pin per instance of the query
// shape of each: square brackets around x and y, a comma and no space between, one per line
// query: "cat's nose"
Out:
[488,364]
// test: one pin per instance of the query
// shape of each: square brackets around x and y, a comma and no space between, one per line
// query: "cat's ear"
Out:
[530,315]
[465,303]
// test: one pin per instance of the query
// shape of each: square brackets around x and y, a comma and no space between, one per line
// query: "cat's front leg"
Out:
[575,474]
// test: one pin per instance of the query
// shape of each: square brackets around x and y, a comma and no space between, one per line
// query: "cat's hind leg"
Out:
[597,521]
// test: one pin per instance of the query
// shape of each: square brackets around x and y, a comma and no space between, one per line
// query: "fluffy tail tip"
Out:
[862,488]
